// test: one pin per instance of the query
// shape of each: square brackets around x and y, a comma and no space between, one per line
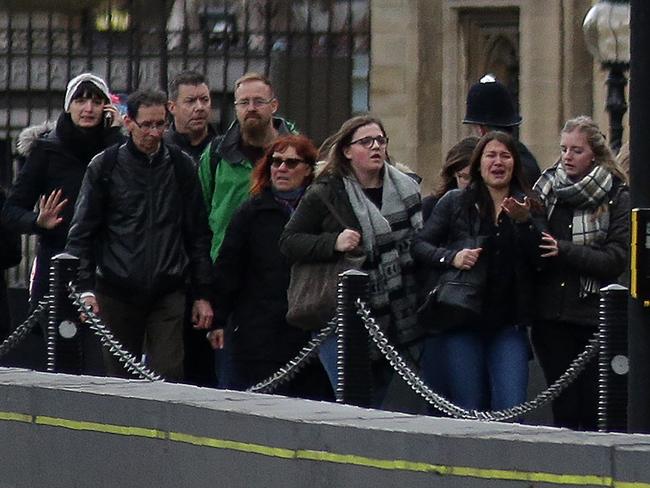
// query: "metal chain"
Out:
[109,342]
[293,367]
[19,334]
[444,405]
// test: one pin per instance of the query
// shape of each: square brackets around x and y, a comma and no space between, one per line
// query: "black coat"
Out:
[558,284]
[54,159]
[252,278]
[455,218]
[183,141]
[143,225]
[312,232]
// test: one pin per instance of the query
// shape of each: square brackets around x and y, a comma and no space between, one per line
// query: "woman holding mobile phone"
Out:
[55,159]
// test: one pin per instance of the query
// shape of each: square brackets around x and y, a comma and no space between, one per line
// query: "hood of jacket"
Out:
[31,134]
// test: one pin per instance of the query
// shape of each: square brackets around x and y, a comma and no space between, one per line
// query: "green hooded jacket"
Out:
[224,173]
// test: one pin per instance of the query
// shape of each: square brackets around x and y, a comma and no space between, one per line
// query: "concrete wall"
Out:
[71,431]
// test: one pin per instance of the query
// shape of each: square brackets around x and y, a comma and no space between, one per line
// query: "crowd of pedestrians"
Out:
[186,239]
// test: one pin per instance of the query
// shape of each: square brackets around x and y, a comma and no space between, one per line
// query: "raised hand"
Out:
[518,211]
[49,209]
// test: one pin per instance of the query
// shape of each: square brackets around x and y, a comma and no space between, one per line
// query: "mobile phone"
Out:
[108,119]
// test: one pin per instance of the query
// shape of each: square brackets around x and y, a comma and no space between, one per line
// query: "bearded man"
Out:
[227,163]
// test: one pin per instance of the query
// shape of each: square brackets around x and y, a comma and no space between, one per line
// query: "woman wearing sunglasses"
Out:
[380,206]
[252,276]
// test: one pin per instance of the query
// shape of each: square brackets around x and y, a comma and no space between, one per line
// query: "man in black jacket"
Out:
[189,104]
[140,230]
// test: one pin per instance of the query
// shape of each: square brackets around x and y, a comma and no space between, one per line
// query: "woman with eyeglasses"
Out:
[587,203]
[380,206]
[492,228]
[252,276]
[453,174]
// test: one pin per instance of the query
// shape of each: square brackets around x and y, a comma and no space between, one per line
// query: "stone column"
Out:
[406,80]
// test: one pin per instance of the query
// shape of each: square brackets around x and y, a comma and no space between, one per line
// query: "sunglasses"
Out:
[290,163]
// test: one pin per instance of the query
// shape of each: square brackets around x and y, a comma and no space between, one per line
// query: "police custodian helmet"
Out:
[490,103]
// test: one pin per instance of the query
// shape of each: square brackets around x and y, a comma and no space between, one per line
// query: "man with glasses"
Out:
[228,161]
[189,104]
[140,231]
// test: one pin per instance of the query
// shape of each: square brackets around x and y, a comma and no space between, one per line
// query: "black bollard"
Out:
[354,386]
[64,346]
[613,361]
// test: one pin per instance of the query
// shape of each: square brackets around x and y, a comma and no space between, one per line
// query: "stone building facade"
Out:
[427,53]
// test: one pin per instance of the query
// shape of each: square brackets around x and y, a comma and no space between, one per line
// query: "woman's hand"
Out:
[111,112]
[215,338]
[549,245]
[466,258]
[347,240]
[518,211]
[49,209]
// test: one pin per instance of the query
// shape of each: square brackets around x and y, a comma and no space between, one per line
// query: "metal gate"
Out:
[315,51]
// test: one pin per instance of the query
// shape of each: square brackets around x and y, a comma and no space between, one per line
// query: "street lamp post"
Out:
[607,33]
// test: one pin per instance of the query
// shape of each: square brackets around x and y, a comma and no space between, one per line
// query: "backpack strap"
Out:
[109,162]
[215,156]
[181,170]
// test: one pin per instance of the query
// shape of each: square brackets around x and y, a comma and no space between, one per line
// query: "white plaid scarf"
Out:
[589,198]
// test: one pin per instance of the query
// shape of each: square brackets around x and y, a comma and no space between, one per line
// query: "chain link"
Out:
[444,405]
[109,342]
[293,367]
[19,334]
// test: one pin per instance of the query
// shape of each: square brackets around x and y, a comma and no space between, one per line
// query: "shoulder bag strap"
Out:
[333,211]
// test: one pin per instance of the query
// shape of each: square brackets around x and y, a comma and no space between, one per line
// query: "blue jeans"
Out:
[381,371]
[327,353]
[484,370]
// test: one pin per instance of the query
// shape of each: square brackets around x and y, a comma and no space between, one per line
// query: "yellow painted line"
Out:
[16,417]
[100,427]
[248,447]
[325,456]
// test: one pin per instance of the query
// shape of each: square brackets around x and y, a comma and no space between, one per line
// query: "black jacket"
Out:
[529,164]
[311,233]
[143,228]
[54,159]
[252,278]
[183,141]
[558,284]
[455,218]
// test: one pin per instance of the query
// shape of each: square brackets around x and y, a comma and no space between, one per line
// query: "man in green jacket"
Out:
[227,163]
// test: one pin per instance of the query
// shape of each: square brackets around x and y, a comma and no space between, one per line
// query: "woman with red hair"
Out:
[253,277]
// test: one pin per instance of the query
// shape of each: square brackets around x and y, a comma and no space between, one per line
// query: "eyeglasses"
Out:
[369,141]
[255,102]
[151,126]
[290,163]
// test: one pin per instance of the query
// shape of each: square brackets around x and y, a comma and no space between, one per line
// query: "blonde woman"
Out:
[587,202]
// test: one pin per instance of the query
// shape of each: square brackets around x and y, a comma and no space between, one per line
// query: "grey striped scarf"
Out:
[386,238]
[587,196]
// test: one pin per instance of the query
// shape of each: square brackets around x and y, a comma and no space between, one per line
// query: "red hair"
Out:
[305,149]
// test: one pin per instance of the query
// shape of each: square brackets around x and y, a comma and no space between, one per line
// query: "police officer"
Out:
[491,107]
